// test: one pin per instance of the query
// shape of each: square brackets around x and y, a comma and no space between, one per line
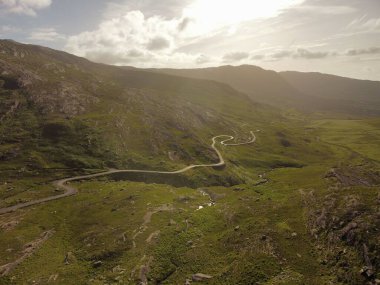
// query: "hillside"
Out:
[309,92]
[58,110]
[338,93]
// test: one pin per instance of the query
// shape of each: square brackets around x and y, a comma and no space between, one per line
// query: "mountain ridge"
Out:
[289,90]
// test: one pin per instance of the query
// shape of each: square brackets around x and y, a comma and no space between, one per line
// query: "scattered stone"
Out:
[294,234]
[187,282]
[323,262]
[200,277]
[236,228]
[367,272]
[97,264]
[118,269]
[238,189]
[70,258]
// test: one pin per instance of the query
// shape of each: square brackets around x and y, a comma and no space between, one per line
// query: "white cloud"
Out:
[363,51]
[235,56]
[128,38]
[299,53]
[328,10]
[131,37]
[46,35]
[6,30]
[26,7]
[365,24]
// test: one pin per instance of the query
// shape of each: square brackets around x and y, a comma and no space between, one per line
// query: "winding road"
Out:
[70,191]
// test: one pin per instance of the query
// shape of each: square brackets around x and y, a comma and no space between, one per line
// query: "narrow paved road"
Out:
[69,190]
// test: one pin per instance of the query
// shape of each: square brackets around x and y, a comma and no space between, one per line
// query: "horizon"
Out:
[330,37]
[203,67]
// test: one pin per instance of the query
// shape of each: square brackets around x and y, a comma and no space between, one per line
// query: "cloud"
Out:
[167,9]
[326,9]
[300,53]
[26,7]
[158,43]
[307,54]
[371,50]
[281,54]
[184,23]
[201,59]
[364,24]
[46,35]
[8,30]
[184,29]
[133,39]
[235,56]
[257,56]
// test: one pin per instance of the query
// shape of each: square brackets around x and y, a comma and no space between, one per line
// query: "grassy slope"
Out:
[91,224]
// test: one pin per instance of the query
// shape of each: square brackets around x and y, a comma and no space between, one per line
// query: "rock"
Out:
[347,229]
[187,282]
[97,264]
[294,234]
[200,277]
[264,237]
[70,258]
[172,222]
[118,269]
[367,272]
[238,189]
[236,228]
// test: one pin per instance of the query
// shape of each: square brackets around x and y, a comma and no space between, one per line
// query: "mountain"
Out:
[337,93]
[61,110]
[309,92]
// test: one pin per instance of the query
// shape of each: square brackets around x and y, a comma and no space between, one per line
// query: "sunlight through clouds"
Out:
[212,14]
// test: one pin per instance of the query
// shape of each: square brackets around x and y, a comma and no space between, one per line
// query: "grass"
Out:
[247,236]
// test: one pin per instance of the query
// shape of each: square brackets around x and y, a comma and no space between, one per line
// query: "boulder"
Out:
[200,277]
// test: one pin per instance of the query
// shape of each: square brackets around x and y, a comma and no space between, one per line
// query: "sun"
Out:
[212,14]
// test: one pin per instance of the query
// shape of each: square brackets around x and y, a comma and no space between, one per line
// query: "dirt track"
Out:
[69,190]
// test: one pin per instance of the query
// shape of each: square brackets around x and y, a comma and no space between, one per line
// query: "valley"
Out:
[108,177]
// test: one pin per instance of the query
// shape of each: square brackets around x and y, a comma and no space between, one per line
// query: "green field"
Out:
[253,233]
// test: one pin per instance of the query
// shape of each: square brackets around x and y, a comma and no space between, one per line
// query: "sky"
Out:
[339,37]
